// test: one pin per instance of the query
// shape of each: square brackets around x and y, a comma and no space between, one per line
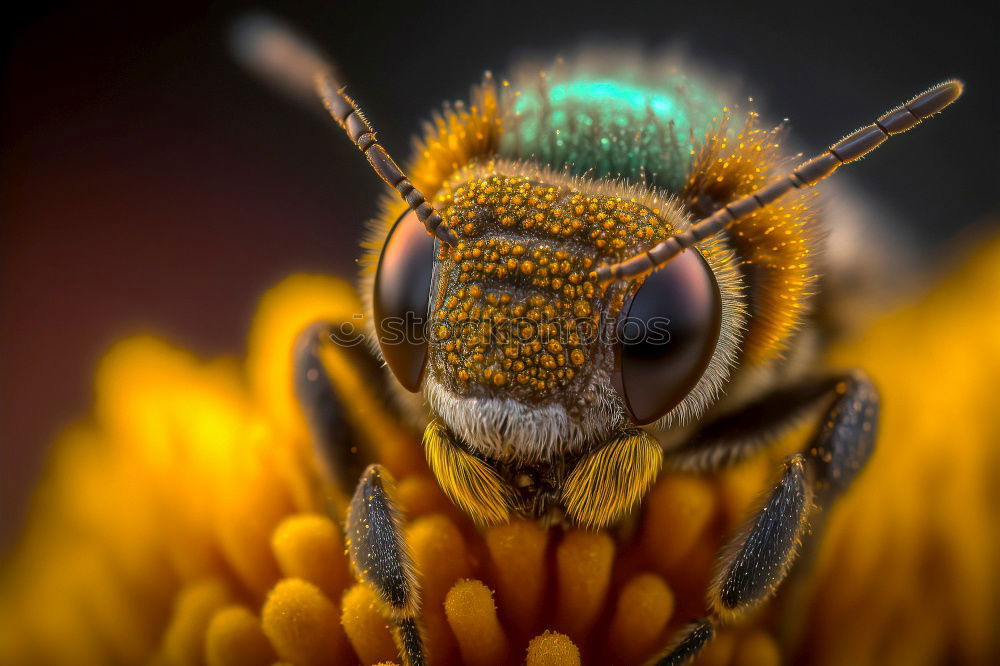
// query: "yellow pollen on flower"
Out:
[421,495]
[366,625]
[235,638]
[302,624]
[553,649]
[518,554]
[472,616]
[645,606]
[440,552]
[311,547]
[678,510]
[583,562]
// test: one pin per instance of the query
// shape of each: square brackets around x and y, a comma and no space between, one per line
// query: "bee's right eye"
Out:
[401,298]
[667,336]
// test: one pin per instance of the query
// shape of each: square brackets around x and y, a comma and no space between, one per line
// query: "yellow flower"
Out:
[185,523]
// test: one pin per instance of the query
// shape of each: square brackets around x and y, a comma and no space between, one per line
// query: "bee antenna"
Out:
[848,149]
[345,111]
[277,53]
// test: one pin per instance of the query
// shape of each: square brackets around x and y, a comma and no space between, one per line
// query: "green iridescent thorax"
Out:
[611,127]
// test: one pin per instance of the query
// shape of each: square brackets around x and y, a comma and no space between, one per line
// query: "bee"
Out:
[587,278]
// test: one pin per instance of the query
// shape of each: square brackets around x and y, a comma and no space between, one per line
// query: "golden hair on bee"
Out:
[466,480]
[778,244]
[609,482]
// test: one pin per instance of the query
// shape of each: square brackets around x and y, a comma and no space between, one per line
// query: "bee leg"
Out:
[758,558]
[689,642]
[846,438]
[382,560]
[756,561]
[327,393]
[324,401]
[734,437]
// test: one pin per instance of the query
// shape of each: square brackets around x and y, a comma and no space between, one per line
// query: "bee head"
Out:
[516,345]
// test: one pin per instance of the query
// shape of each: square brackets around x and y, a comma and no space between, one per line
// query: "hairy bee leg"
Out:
[757,560]
[689,642]
[382,560]
[846,439]
[337,446]
[755,563]
[732,438]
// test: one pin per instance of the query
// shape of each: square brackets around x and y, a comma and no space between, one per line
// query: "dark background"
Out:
[148,183]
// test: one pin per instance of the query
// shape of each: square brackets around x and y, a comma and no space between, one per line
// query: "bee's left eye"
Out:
[666,336]
[401,298]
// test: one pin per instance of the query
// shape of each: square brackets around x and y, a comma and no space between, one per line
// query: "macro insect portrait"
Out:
[615,384]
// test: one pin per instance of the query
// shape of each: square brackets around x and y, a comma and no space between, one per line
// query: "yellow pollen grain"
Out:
[645,605]
[303,625]
[311,547]
[576,357]
[472,616]
[236,638]
[366,628]
[552,649]
[583,568]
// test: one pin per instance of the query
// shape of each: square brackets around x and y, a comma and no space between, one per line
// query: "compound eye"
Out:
[667,337]
[401,298]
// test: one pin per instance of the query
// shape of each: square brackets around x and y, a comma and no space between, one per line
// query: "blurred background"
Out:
[148,183]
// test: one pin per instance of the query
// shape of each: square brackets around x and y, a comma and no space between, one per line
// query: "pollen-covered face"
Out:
[522,351]
[516,305]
